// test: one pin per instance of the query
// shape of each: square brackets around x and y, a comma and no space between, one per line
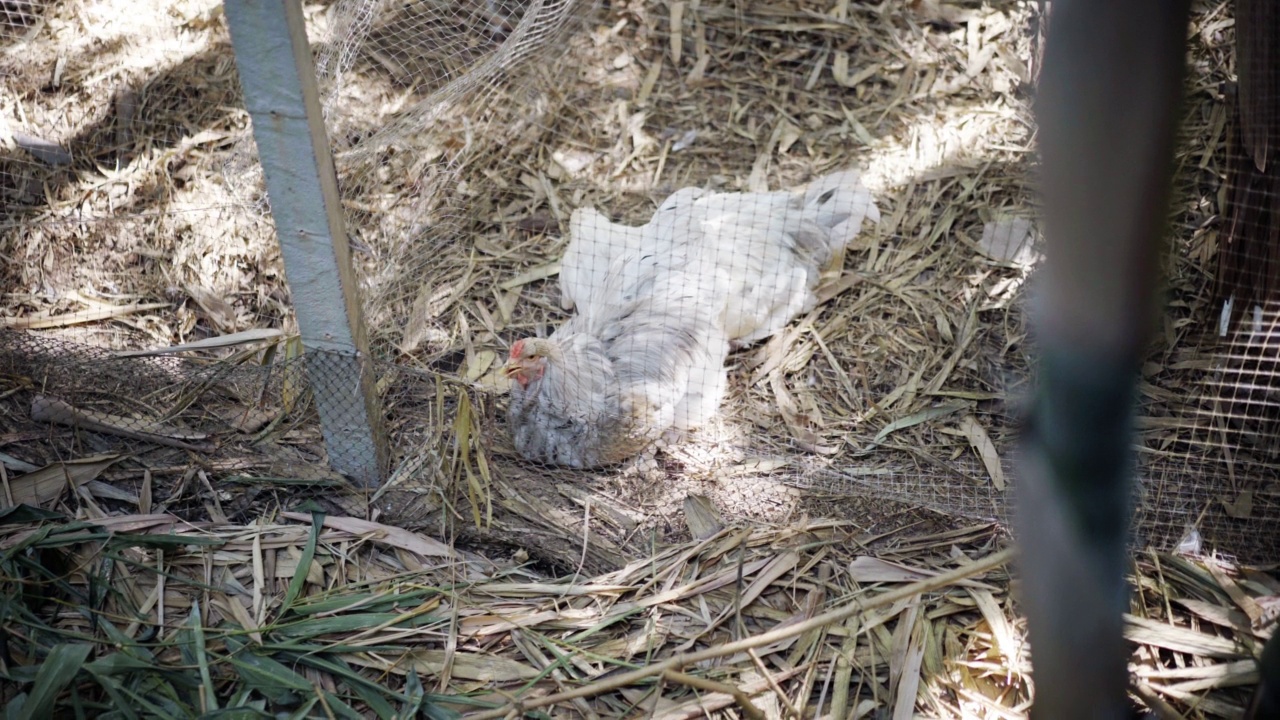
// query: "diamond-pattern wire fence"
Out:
[466,135]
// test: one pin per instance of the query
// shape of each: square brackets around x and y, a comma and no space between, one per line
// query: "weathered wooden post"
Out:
[281,95]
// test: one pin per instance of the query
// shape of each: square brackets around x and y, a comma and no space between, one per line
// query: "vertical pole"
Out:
[281,95]
[1108,111]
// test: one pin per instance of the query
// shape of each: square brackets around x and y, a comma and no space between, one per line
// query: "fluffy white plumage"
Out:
[658,307]
[613,377]
[770,246]
[595,244]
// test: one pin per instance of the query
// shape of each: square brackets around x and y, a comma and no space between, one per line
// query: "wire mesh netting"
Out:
[643,224]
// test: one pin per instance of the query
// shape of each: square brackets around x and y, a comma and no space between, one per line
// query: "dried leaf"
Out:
[542,272]
[1219,615]
[1242,507]
[385,534]
[650,80]
[677,31]
[933,11]
[469,666]
[38,321]
[1178,639]
[47,483]
[46,409]
[867,569]
[248,420]
[787,136]
[292,387]
[220,312]
[701,517]
[986,449]
[914,419]
[482,362]
[909,681]
[696,76]
[213,343]
[1006,639]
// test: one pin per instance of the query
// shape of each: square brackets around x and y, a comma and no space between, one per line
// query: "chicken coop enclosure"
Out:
[465,137]
[153,371]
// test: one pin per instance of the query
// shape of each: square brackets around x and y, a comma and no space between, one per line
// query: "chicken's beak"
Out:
[515,370]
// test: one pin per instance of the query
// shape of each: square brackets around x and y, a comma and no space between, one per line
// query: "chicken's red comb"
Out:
[517,349]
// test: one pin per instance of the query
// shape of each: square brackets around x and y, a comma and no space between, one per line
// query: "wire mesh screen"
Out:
[766,256]
[184,423]
[709,136]
[1209,473]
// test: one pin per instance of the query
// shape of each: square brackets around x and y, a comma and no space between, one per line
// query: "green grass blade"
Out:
[304,563]
[57,671]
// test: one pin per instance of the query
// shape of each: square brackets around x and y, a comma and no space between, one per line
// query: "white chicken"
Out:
[658,307]
[613,377]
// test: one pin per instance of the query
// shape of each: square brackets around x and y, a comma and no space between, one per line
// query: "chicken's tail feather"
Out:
[834,207]
[839,198]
